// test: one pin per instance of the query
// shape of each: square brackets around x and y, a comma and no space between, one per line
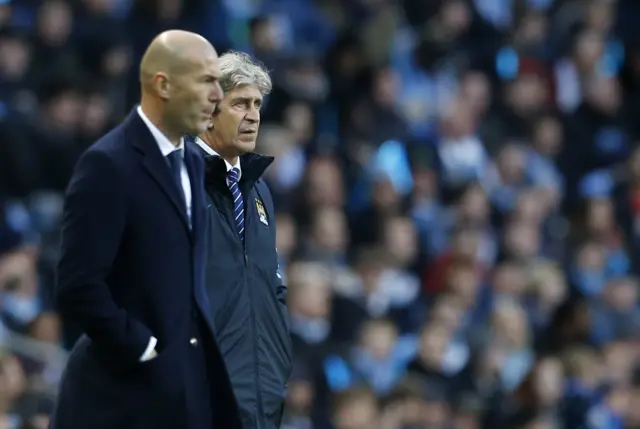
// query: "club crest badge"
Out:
[262,213]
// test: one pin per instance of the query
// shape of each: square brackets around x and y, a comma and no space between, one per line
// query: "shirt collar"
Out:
[209,151]
[166,147]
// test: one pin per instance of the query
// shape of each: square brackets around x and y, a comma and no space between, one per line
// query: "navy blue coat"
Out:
[247,294]
[131,268]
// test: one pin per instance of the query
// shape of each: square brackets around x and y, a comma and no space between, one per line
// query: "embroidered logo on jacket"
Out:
[262,213]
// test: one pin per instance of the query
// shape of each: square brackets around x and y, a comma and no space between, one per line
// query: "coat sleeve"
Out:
[93,224]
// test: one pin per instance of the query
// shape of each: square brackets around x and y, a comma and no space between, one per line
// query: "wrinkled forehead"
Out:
[248,92]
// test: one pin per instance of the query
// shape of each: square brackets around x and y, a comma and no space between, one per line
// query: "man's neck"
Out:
[154,114]
[213,144]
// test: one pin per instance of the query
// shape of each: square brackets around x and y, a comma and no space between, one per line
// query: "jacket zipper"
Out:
[253,318]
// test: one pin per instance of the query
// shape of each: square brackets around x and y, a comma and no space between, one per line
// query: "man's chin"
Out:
[245,144]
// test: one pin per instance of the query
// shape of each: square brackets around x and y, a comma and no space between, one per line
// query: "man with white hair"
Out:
[246,291]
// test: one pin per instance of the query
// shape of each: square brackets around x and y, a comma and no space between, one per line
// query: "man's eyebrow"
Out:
[246,99]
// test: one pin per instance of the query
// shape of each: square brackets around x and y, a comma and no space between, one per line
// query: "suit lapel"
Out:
[154,163]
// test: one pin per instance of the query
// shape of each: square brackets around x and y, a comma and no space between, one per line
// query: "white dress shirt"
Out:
[212,152]
[166,147]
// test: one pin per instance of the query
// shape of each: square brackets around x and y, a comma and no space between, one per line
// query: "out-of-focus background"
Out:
[457,185]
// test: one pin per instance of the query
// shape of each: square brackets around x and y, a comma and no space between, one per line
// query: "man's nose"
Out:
[216,94]
[253,115]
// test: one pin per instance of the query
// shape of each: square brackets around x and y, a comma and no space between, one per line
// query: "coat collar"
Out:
[253,166]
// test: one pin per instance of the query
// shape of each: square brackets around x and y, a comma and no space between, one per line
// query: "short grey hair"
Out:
[239,69]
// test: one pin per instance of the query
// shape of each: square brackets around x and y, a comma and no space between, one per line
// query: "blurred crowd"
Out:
[457,185]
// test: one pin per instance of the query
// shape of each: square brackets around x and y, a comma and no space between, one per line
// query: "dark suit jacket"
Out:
[131,268]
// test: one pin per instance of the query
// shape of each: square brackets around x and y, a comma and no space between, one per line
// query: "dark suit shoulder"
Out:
[114,140]
[114,150]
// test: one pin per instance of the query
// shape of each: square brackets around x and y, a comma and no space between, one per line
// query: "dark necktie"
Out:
[175,161]
[233,176]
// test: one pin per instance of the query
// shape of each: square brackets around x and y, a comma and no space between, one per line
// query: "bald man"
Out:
[130,275]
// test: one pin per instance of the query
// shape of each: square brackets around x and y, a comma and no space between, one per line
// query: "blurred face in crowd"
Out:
[5,14]
[462,281]
[491,360]
[357,412]
[434,341]
[235,126]
[385,197]
[310,291]
[99,6]
[330,230]
[530,207]
[591,257]
[633,408]
[385,88]
[466,420]
[600,217]
[15,57]
[378,338]
[549,287]
[168,10]
[541,423]
[447,313]
[622,294]
[424,185]
[634,165]
[65,110]
[549,381]
[434,413]
[97,111]
[286,234]
[548,136]
[527,94]
[55,22]
[18,275]
[266,35]
[509,279]
[584,364]
[12,379]
[455,16]
[475,90]
[39,421]
[47,328]
[474,206]
[588,50]
[298,118]
[370,267]
[522,241]
[115,62]
[604,95]
[465,244]
[510,326]
[400,238]
[511,164]
[299,396]
[459,122]
[620,359]
[600,15]
[532,30]
[324,183]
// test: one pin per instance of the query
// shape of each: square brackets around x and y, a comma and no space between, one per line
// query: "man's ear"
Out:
[162,85]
